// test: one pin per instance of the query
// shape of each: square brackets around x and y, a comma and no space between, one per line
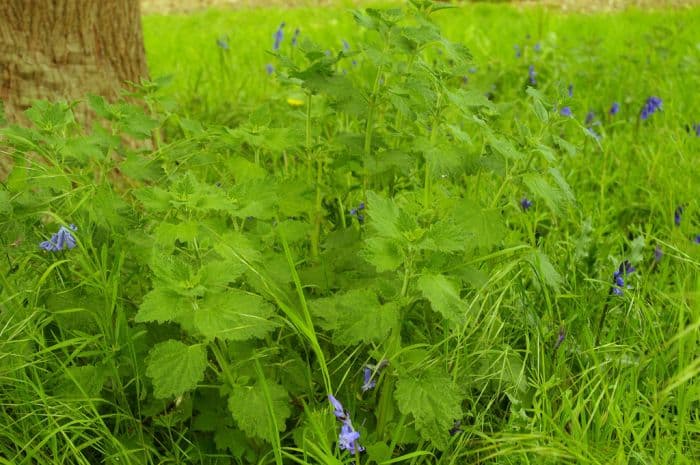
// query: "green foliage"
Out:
[433,401]
[249,408]
[443,295]
[357,224]
[175,368]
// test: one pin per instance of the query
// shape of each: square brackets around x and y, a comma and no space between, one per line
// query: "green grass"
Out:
[245,196]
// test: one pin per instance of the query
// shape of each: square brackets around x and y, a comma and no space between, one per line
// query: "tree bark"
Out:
[67,49]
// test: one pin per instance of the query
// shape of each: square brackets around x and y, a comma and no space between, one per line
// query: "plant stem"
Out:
[601,323]
[315,236]
[368,128]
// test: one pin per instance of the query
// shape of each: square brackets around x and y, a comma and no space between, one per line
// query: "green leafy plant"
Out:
[389,266]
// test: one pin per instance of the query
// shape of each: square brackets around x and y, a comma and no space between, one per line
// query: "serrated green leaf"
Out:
[637,250]
[443,295]
[106,209]
[553,197]
[366,324]
[459,134]
[442,158]
[538,105]
[434,402]
[297,199]
[100,106]
[234,315]
[49,116]
[216,274]
[480,227]
[540,111]
[355,316]
[384,215]
[546,271]
[391,159]
[236,442]
[547,152]
[421,35]
[248,406]
[236,246]
[563,185]
[245,171]
[467,99]
[503,146]
[456,52]
[83,382]
[255,199]
[364,20]
[161,305]
[142,168]
[154,198]
[565,145]
[443,236]
[504,366]
[134,121]
[176,272]
[175,368]
[384,253]
[168,233]
[191,127]
[294,231]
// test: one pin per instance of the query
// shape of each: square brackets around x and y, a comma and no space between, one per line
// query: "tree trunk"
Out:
[67,49]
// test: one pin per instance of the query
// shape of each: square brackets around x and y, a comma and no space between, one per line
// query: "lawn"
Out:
[406,235]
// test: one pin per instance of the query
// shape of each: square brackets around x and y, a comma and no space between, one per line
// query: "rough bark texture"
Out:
[66,49]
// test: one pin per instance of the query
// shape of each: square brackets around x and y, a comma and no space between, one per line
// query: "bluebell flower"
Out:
[369,383]
[348,437]
[619,275]
[658,254]
[696,128]
[537,47]
[269,69]
[472,70]
[650,107]
[347,440]
[560,337]
[61,240]
[338,409]
[518,52]
[279,35]
[222,42]
[697,239]
[678,215]
[370,372]
[456,428]
[531,74]
[525,203]
[570,89]
[565,111]
[346,45]
[590,116]
[614,108]
[356,212]
[295,37]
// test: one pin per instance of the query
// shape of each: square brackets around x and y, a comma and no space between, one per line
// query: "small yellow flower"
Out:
[295,102]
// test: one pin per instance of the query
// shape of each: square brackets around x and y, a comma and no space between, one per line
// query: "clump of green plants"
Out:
[366,272]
